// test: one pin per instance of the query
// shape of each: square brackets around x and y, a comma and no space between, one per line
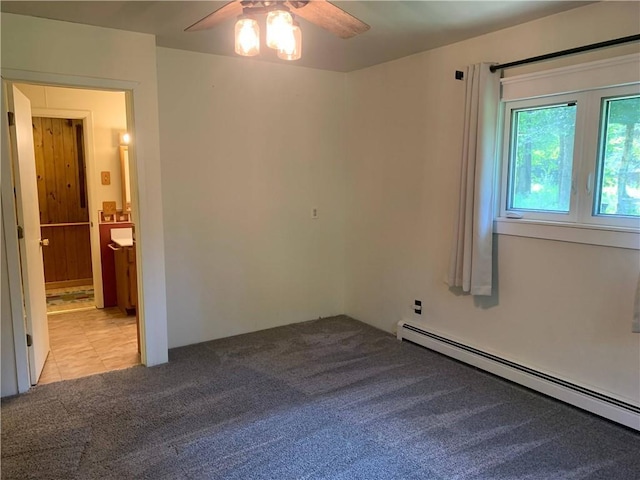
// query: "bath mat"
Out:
[64,298]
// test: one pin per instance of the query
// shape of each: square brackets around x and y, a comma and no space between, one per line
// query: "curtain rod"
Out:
[570,51]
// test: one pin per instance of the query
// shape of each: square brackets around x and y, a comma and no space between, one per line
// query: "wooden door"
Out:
[62,195]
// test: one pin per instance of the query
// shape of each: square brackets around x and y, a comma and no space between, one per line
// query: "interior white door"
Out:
[28,214]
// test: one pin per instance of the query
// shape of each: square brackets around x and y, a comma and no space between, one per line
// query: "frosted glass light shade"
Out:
[279,24]
[291,49]
[247,37]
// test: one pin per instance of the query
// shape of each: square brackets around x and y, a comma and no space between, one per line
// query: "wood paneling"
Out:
[61,177]
[67,284]
[38,145]
[60,171]
[68,256]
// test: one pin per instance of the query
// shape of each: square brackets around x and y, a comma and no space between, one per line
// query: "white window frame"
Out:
[593,152]
[510,108]
[593,82]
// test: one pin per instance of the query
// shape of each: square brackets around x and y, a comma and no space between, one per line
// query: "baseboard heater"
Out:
[592,401]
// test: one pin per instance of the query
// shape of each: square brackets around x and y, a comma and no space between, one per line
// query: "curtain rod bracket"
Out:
[459,75]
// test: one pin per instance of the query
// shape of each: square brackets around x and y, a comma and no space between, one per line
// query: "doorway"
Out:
[77,135]
[88,342]
[64,212]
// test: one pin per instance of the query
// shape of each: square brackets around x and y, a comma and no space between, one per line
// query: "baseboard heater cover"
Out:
[590,400]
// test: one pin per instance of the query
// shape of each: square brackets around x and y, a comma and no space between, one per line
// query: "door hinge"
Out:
[29,340]
[20,232]
[12,118]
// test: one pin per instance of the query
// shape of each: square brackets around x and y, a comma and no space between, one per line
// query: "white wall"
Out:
[248,149]
[109,118]
[35,49]
[560,307]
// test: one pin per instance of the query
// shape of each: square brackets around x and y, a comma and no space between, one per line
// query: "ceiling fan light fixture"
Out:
[279,28]
[291,49]
[280,32]
[247,37]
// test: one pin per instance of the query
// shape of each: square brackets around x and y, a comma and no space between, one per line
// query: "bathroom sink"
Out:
[123,237]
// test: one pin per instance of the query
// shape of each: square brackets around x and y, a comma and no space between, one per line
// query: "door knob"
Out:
[44,242]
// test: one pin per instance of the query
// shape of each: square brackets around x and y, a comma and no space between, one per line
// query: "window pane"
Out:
[619,179]
[541,160]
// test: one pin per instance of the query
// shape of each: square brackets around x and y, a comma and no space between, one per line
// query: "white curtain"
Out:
[471,253]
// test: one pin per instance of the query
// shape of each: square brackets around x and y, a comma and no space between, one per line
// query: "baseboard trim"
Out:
[571,393]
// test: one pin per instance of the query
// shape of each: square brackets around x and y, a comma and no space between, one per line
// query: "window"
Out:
[541,159]
[618,191]
[574,158]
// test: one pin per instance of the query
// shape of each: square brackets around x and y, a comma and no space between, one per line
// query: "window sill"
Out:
[574,233]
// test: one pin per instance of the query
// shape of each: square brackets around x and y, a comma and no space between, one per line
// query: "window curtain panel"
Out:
[471,253]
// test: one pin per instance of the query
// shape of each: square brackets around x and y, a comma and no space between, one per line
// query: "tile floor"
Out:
[88,342]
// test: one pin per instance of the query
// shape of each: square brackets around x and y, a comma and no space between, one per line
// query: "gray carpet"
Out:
[327,399]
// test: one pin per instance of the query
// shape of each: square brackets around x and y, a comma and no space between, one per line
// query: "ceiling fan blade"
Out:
[230,10]
[330,17]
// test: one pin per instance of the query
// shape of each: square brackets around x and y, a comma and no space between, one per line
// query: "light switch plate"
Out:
[106,178]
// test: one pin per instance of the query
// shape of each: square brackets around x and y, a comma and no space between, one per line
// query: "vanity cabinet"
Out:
[107,256]
[126,280]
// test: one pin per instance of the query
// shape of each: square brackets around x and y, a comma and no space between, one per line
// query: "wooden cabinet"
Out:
[107,257]
[126,280]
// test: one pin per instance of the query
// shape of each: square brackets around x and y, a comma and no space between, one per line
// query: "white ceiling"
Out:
[398,28]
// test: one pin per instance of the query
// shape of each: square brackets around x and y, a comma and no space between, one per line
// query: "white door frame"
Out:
[10,76]
[87,119]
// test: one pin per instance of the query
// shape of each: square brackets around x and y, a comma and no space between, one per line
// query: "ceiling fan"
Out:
[321,12]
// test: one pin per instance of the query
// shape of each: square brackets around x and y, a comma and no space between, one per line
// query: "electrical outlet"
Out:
[106,178]
[314,213]
[417,307]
